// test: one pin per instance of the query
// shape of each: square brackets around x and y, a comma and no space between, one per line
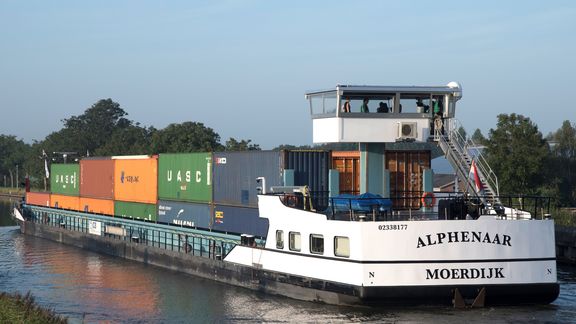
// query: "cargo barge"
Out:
[292,223]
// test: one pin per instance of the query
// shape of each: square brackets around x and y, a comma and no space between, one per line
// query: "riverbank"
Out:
[12,192]
[15,308]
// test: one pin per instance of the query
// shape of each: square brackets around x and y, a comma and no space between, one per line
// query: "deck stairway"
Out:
[460,152]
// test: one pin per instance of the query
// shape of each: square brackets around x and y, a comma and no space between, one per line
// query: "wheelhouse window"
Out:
[323,104]
[415,103]
[342,246]
[369,103]
[294,241]
[316,244]
[279,239]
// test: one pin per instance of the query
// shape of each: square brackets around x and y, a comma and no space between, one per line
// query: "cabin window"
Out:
[324,104]
[415,103]
[294,241]
[279,239]
[316,244]
[382,103]
[342,246]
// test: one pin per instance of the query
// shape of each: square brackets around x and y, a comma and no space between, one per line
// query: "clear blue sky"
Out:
[242,67]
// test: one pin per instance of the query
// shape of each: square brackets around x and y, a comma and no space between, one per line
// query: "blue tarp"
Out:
[365,202]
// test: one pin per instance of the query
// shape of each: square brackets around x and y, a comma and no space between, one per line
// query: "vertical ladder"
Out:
[460,152]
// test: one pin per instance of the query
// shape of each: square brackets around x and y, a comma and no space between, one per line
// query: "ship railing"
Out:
[417,205]
[177,239]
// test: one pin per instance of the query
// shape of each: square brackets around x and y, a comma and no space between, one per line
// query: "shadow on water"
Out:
[5,211]
[90,287]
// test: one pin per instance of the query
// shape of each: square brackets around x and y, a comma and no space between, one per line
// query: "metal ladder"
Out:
[460,152]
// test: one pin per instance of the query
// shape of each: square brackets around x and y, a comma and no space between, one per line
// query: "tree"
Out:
[89,131]
[186,137]
[131,140]
[462,132]
[13,153]
[243,145]
[561,173]
[517,153]
[478,138]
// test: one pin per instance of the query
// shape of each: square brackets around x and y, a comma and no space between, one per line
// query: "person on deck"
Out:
[346,107]
[383,107]
[364,107]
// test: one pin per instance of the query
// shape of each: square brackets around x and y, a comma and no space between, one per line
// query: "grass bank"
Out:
[15,308]
[564,216]
[12,191]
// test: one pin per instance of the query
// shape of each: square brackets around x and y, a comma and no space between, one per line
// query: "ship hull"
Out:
[293,286]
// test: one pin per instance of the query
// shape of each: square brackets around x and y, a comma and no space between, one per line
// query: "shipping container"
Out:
[348,165]
[406,176]
[135,210]
[97,206]
[64,179]
[185,214]
[38,198]
[235,175]
[97,178]
[185,177]
[136,179]
[65,202]
[239,220]
[311,168]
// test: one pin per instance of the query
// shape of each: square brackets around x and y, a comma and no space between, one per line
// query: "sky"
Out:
[242,67]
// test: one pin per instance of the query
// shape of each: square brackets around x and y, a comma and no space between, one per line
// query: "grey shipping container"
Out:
[235,173]
[239,220]
[184,214]
[311,169]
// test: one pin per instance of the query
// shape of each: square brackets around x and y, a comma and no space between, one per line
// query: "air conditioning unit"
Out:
[407,130]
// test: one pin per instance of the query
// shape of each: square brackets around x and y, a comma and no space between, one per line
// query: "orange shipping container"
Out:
[65,202]
[38,198]
[97,206]
[136,178]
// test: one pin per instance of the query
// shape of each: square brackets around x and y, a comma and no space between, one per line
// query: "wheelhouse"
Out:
[378,114]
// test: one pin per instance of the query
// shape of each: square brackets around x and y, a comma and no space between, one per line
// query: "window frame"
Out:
[336,246]
[312,246]
[291,241]
[280,243]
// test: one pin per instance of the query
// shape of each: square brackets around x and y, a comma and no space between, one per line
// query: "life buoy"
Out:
[291,201]
[428,199]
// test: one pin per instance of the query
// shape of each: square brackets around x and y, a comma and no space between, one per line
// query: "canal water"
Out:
[93,288]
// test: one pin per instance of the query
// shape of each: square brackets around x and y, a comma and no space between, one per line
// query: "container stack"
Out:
[65,188]
[136,187]
[214,191]
[185,189]
[97,186]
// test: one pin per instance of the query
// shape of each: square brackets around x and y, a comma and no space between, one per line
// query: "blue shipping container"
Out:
[184,214]
[239,220]
[235,173]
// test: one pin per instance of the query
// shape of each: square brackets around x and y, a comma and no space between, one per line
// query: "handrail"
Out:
[463,147]
[481,162]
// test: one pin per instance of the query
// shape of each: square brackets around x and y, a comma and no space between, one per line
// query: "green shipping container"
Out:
[135,210]
[64,179]
[185,177]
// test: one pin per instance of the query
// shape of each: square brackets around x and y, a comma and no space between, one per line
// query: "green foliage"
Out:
[13,154]
[561,173]
[186,137]
[23,309]
[478,138]
[243,145]
[131,140]
[517,152]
